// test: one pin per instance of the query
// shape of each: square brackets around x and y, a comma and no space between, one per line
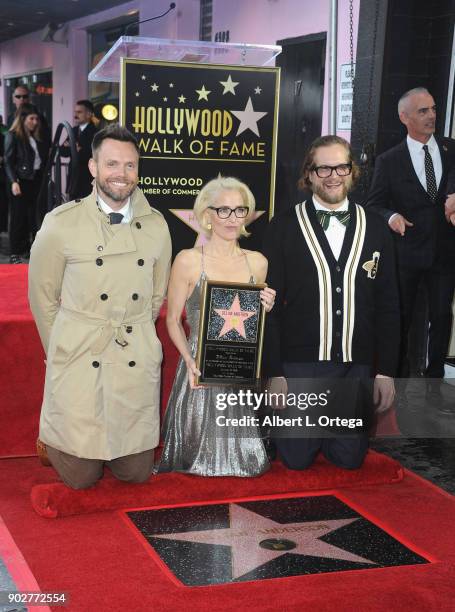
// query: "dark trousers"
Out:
[22,221]
[439,282]
[345,452]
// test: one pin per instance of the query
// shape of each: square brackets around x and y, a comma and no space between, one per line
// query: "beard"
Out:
[117,194]
[332,198]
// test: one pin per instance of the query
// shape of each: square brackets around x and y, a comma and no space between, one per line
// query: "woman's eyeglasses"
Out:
[224,212]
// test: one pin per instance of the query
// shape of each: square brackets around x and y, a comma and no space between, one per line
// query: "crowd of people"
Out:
[341,281]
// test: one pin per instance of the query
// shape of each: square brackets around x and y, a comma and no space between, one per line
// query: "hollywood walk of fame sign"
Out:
[231,330]
[271,538]
[195,121]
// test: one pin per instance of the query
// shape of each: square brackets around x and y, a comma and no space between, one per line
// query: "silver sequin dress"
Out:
[193,442]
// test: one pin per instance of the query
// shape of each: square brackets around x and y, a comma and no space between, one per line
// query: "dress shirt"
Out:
[336,230]
[125,211]
[37,160]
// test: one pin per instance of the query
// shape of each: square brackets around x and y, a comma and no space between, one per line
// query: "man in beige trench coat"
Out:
[98,275]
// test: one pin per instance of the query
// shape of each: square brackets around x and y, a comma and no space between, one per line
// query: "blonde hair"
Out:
[210,192]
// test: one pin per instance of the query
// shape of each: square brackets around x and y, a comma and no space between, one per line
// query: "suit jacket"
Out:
[83,186]
[396,188]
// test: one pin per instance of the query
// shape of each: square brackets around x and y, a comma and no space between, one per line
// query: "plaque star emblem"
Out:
[188,217]
[257,90]
[154,87]
[203,93]
[256,540]
[182,99]
[229,86]
[137,94]
[234,317]
[248,118]
[143,77]
[164,99]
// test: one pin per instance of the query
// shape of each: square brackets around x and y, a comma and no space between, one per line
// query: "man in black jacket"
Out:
[336,314]
[409,189]
[84,131]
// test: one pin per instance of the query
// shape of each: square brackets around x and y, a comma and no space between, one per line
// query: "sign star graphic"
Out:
[247,530]
[257,90]
[188,217]
[182,99]
[229,86]
[234,317]
[154,87]
[248,118]
[203,93]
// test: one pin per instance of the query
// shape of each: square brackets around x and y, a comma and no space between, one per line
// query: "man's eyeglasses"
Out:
[19,96]
[326,171]
[224,212]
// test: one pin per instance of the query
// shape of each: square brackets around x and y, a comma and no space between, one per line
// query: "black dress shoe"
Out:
[270,449]
[435,398]
[15,259]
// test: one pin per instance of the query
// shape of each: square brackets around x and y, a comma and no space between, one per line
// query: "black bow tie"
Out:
[325,215]
[115,218]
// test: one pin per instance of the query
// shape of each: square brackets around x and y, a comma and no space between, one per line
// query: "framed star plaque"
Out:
[231,330]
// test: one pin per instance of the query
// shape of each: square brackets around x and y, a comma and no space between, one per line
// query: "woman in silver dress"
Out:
[193,442]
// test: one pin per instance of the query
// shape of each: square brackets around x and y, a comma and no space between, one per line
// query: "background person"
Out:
[409,190]
[193,442]
[337,313]
[97,278]
[26,152]
[84,131]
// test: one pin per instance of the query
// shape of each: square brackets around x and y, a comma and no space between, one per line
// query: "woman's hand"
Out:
[16,189]
[192,373]
[268,298]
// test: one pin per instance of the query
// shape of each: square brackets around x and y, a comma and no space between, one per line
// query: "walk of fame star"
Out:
[248,530]
[234,317]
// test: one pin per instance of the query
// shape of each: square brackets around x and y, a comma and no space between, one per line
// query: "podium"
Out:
[194,51]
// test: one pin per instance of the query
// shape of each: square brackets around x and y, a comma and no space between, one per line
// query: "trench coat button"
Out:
[96,364]
[337,334]
[338,313]
[132,364]
[338,289]
[140,262]
[135,296]
[99,261]
[128,329]
[338,269]
[138,225]
[99,248]
[104,296]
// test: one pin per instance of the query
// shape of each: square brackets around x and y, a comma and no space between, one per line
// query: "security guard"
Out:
[98,275]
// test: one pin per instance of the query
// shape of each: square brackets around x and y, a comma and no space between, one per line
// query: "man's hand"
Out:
[399,224]
[383,393]
[277,385]
[450,208]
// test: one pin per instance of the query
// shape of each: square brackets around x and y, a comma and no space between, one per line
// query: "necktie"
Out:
[115,218]
[324,217]
[432,188]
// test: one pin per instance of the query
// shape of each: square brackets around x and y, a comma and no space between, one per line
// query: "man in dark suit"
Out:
[409,190]
[84,131]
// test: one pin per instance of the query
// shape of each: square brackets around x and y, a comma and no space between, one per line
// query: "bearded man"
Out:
[336,313]
[98,275]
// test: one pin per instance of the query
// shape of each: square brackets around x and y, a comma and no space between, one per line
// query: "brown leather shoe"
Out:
[42,453]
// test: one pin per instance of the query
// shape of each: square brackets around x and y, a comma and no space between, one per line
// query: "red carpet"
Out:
[57,500]
[103,566]
[22,359]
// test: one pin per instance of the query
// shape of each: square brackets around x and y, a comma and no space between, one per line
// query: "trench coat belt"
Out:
[110,328]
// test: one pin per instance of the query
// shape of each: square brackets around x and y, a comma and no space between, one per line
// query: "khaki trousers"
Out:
[80,473]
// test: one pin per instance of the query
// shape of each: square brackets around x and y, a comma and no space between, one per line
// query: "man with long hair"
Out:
[336,314]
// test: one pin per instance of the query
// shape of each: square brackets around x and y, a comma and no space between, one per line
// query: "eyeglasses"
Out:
[224,212]
[326,171]
[23,96]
